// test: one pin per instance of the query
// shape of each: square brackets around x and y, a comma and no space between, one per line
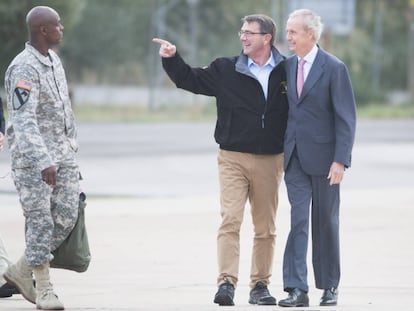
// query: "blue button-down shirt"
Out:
[262,73]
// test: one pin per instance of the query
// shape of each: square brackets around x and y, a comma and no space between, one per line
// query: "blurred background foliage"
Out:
[108,42]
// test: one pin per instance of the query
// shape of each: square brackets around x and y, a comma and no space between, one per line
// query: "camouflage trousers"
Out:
[50,212]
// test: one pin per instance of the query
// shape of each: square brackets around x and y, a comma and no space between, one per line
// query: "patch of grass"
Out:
[207,112]
[384,111]
[112,113]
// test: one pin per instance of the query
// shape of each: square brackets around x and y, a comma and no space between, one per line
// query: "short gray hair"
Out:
[310,20]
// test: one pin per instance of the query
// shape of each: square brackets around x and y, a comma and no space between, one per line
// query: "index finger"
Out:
[161,41]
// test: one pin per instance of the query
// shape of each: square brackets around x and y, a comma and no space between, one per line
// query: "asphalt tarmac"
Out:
[153,214]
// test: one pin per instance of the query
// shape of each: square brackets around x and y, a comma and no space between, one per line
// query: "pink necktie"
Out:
[300,80]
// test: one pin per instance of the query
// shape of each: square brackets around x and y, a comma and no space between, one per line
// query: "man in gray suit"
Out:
[318,145]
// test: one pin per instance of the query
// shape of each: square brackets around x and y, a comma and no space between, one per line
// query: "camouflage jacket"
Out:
[41,130]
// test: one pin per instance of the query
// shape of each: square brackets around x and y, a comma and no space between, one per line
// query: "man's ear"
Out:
[43,30]
[268,37]
[311,33]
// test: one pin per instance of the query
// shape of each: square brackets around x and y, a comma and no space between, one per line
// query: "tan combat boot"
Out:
[20,275]
[46,299]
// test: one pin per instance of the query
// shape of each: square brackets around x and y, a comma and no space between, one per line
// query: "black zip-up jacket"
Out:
[2,120]
[246,121]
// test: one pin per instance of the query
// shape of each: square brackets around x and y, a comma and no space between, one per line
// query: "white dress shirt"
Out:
[309,58]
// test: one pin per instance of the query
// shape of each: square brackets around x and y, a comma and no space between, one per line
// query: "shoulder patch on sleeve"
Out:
[23,84]
[21,93]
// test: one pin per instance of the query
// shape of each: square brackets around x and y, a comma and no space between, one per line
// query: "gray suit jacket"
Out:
[321,123]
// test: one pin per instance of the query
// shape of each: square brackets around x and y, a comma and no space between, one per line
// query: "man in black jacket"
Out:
[2,125]
[251,121]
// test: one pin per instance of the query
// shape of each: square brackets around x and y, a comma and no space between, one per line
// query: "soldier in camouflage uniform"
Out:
[42,140]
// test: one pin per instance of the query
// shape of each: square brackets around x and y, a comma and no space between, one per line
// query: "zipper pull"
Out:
[262,121]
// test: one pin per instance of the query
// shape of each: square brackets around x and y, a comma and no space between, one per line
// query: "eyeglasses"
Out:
[250,33]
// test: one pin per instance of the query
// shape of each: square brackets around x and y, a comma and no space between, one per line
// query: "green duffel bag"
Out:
[74,253]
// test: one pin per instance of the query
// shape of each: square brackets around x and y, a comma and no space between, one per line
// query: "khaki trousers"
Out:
[257,178]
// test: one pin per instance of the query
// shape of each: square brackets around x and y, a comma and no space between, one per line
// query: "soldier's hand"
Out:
[167,49]
[49,175]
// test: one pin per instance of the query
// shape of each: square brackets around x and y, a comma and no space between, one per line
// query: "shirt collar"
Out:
[310,57]
[43,59]
[270,62]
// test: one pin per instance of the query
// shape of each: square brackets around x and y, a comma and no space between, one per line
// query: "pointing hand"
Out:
[167,49]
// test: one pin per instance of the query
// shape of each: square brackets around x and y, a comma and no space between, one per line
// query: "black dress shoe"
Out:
[225,295]
[8,290]
[259,295]
[329,297]
[296,298]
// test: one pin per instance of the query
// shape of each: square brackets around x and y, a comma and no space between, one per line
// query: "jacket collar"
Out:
[45,60]
[242,62]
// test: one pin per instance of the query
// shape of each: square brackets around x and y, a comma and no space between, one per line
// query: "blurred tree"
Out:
[12,38]
[115,36]
[377,54]
[13,33]
[109,41]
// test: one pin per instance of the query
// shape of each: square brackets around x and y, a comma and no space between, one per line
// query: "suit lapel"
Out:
[292,65]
